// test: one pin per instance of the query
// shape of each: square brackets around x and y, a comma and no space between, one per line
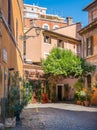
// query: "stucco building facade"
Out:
[89,43]
[39,47]
[11,47]
[36,16]
[55,32]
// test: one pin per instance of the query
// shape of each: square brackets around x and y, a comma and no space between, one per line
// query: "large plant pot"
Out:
[10,122]
[17,115]
[86,103]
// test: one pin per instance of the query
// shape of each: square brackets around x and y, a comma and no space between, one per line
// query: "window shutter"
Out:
[87,47]
[44,38]
[91,45]
[62,44]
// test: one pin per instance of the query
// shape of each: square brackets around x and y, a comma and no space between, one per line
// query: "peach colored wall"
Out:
[50,23]
[94,98]
[46,47]
[93,58]
[36,48]
[70,30]
[33,47]
[71,92]
[90,13]
[14,59]
[39,23]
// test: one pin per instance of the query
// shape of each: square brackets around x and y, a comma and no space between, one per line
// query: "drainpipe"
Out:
[82,47]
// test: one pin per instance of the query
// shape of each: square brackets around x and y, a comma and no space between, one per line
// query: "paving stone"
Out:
[58,119]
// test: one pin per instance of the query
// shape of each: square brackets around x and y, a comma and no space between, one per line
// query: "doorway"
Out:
[59,92]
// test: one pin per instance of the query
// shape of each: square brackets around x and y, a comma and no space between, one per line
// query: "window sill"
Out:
[91,56]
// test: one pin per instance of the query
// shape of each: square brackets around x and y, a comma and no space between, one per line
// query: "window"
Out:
[94,14]
[46,26]
[55,27]
[5,55]
[89,46]
[47,39]
[46,55]
[16,30]
[89,81]
[60,44]
[78,50]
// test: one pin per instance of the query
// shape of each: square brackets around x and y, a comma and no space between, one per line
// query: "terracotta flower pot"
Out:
[86,103]
[78,102]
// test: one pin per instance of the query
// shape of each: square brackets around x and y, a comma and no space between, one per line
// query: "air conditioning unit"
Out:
[28,61]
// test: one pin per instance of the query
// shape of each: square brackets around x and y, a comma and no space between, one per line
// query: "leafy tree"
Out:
[87,68]
[62,62]
[65,63]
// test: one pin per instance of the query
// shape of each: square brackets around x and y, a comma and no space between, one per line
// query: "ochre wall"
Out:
[13,48]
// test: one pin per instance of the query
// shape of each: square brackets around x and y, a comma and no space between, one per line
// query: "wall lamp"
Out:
[37,31]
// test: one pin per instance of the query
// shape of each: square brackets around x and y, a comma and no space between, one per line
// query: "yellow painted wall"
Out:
[14,49]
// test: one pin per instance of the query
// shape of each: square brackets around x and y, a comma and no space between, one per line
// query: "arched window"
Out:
[46,26]
[55,27]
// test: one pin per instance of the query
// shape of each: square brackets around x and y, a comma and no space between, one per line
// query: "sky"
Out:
[65,8]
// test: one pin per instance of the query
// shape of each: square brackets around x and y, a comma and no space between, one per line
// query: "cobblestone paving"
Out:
[57,119]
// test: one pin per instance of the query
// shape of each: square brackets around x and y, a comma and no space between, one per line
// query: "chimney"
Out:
[69,20]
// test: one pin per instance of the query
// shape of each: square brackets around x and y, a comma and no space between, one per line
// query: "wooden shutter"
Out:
[91,39]
[87,47]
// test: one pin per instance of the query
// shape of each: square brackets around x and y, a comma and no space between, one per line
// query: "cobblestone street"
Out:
[58,117]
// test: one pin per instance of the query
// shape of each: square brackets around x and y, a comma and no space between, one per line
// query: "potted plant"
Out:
[89,93]
[77,97]
[82,96]
[16,100]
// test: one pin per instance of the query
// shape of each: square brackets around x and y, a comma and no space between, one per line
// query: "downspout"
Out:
[82,47]
[0,31]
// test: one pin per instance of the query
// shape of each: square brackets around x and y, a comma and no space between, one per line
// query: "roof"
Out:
[62,35]
[67,26]
[57,34]
[90,5]
[91,26]
[29,5]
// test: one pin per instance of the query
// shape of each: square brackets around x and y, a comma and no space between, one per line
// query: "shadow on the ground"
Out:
[56,119]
